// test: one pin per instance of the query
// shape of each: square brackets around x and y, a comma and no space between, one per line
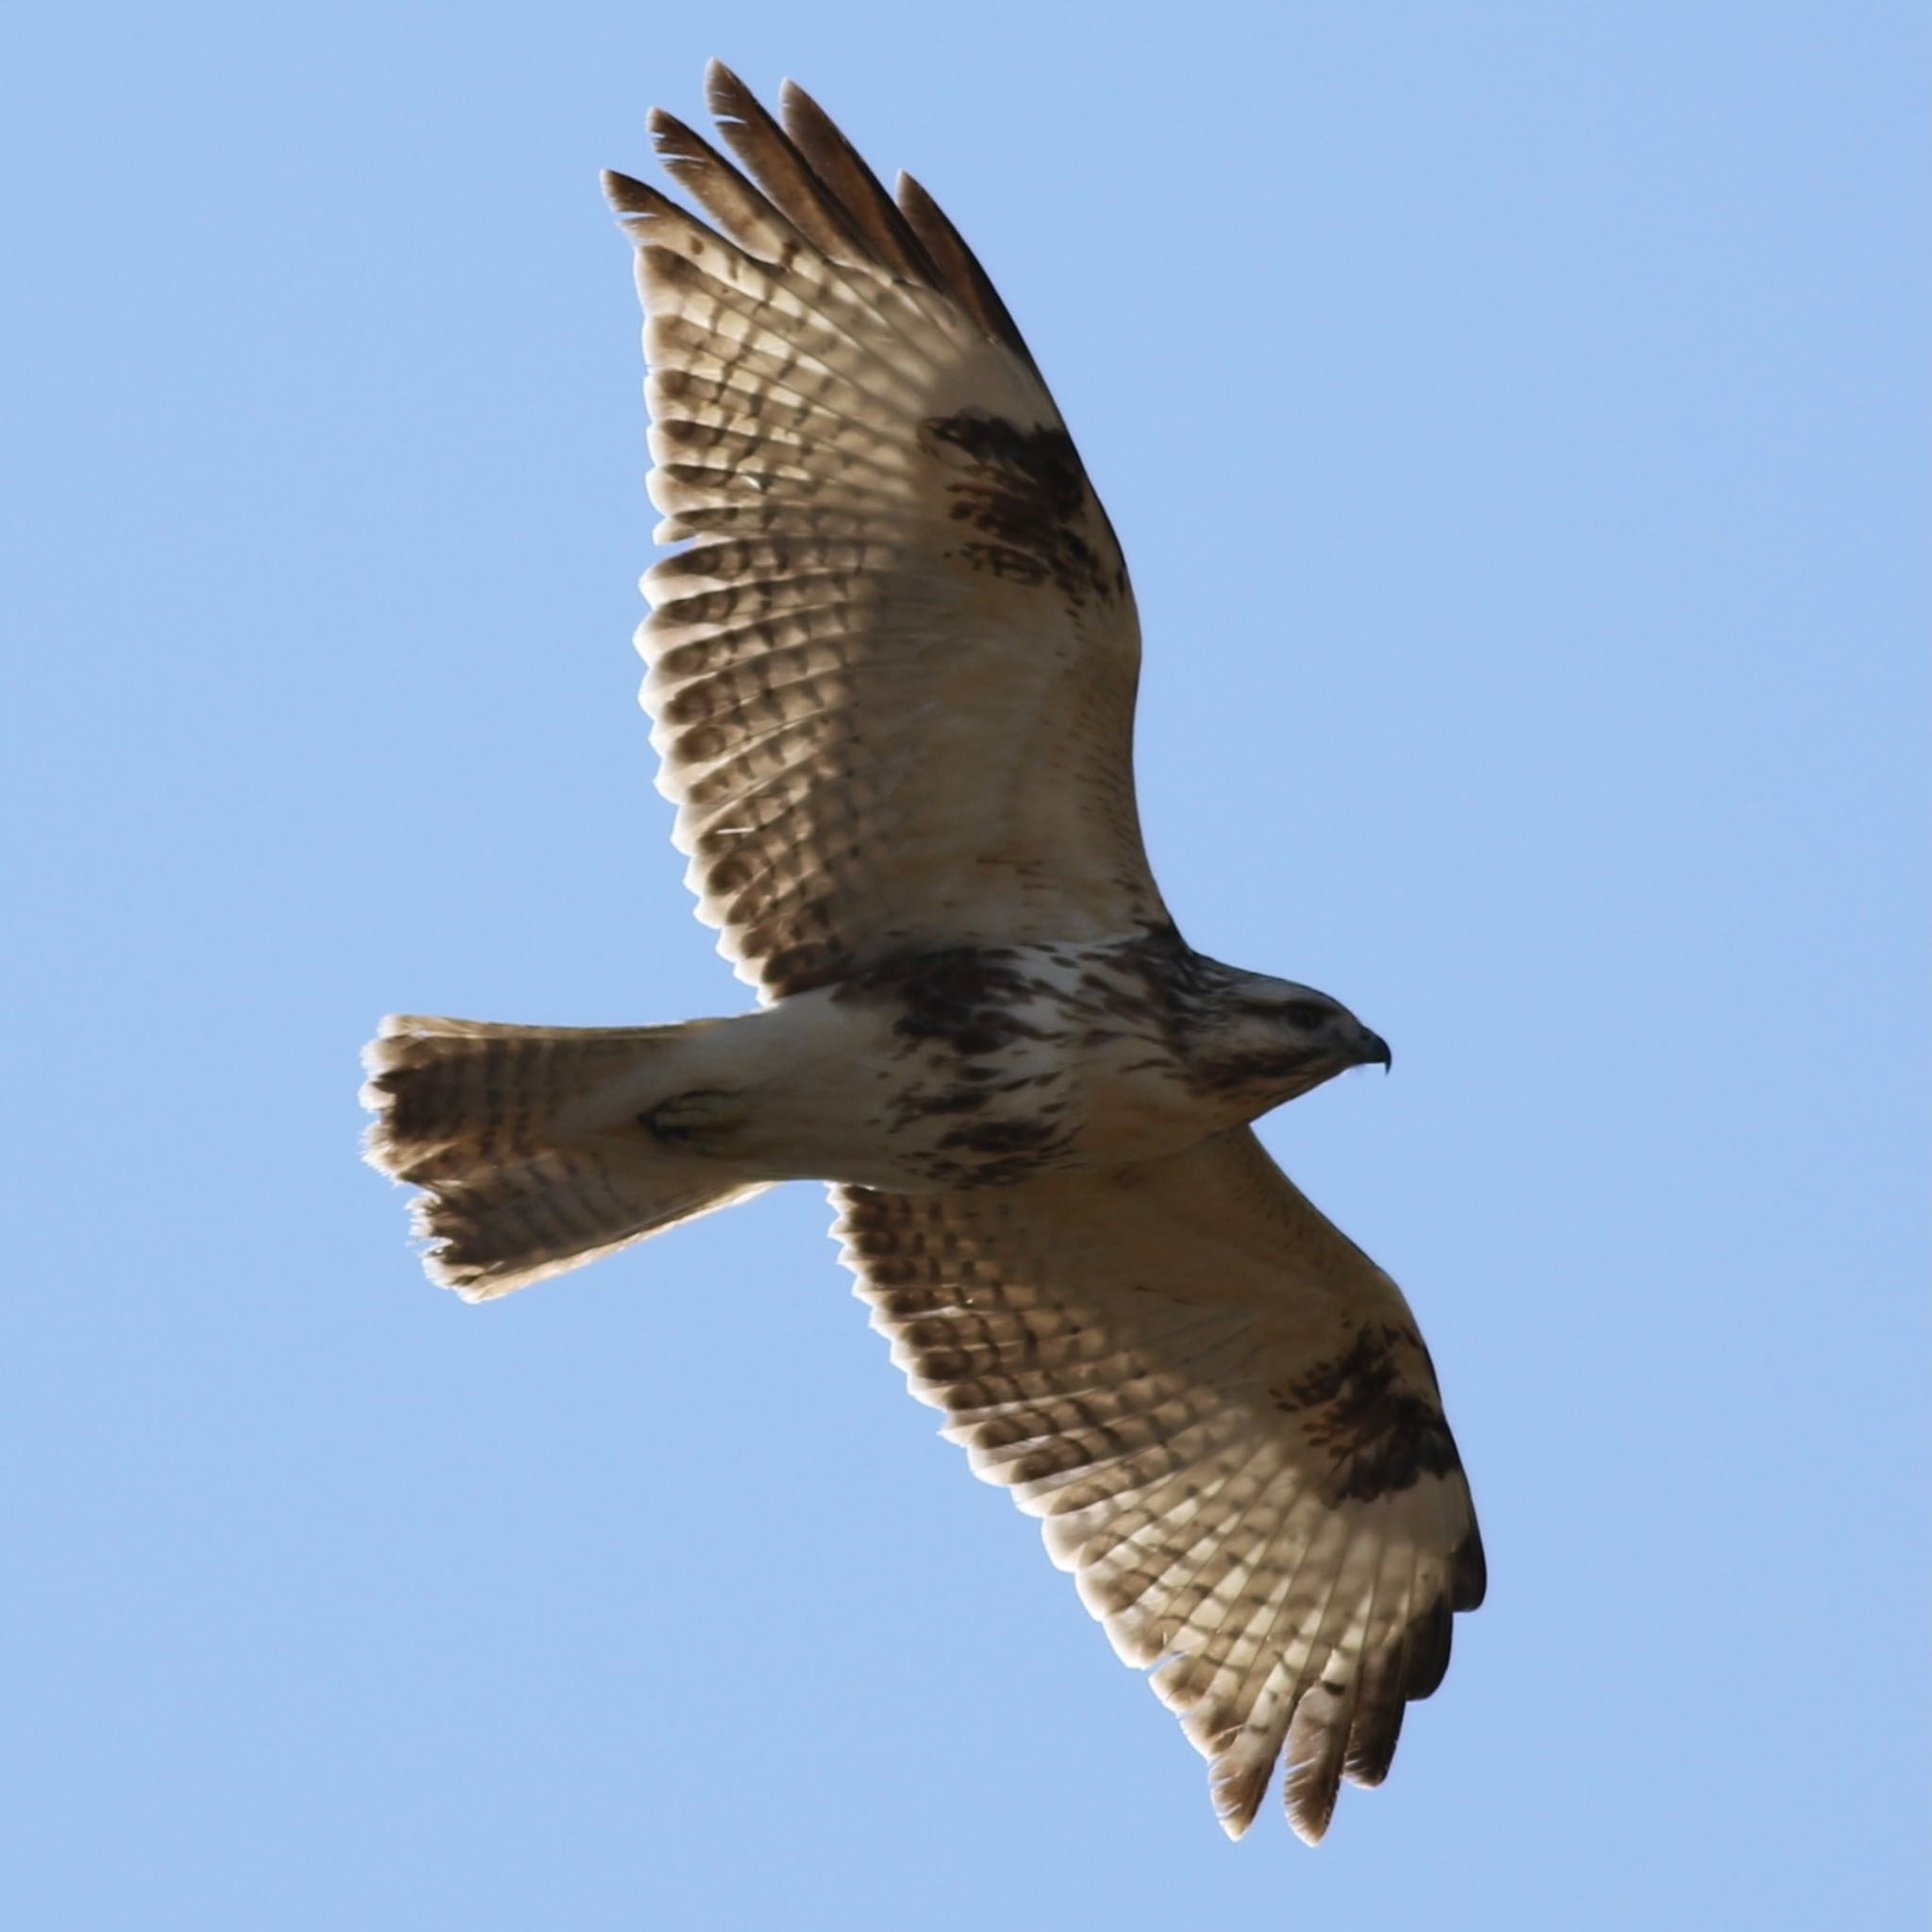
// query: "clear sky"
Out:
[1514,415]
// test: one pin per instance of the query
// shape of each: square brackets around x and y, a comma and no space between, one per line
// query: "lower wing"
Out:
[1225,1416]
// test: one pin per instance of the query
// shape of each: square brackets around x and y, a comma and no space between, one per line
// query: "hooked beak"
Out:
[1374,1050]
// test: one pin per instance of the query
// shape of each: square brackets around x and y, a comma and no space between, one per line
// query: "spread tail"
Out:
[528,1145]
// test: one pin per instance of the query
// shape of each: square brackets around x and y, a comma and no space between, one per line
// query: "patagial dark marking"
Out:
[1024,492]
[1383,1438]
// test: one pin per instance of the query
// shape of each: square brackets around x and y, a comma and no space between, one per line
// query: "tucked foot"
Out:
[692,1120]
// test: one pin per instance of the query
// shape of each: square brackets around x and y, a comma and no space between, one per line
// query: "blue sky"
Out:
[1514,416]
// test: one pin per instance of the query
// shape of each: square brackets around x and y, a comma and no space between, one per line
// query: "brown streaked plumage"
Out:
[892,676]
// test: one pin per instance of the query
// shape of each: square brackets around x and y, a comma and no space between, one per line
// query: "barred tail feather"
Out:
[528,1144]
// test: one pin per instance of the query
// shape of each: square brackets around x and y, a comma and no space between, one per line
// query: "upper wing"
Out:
[892,675]
[1224,1411]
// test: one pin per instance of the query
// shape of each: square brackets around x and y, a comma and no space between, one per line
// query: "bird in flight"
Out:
[892,671]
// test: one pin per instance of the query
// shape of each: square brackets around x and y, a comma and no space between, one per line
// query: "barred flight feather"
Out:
[1148,1358]
[902,633]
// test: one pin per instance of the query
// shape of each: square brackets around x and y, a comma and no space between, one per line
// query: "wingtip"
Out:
[1235,1813]
[673,139]
[627,196]
[795,99]
[724,93]
[1470,1576]
[1311,1830]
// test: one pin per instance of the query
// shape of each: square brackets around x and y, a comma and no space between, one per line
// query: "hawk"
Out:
[892,671]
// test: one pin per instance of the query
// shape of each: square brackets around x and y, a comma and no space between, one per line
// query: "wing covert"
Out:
[893,670]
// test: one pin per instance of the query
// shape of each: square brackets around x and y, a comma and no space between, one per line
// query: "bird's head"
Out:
[1267,1041]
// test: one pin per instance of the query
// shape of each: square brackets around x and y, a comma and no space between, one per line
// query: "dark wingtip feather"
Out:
[1377,1729]
[776,163]
[630,198]
[961,276]
[1317,1744]
[812,183]
[1238,1797]
[677,141]
[1425,1650]
[867,205]
[743,216]
[722,86]
[1468,1580]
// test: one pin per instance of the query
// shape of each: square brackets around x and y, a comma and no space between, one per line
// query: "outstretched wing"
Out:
[893,675]
[1224,1412]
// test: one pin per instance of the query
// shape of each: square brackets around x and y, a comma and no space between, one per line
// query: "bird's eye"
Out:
[1305,1014]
